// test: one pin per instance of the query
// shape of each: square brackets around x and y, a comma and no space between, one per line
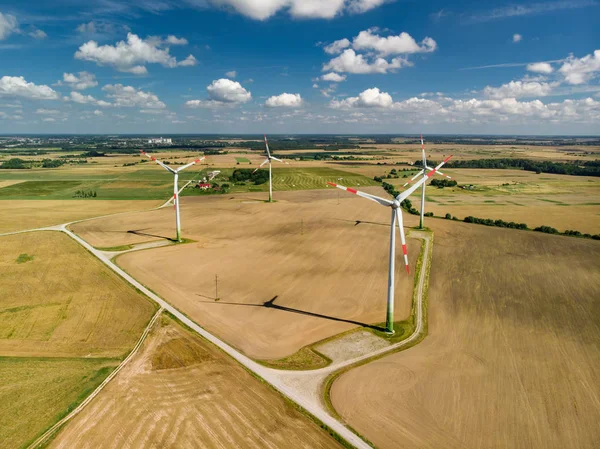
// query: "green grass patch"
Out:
[23,258]
[40,190]
[242,160]
[304,359]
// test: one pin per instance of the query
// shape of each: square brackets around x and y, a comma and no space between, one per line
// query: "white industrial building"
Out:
[160,141]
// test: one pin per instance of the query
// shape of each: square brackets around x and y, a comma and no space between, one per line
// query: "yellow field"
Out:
[511,359]
[35,393]
[9,183]
[290,273]
[30,214]
[64,302]
[179,391]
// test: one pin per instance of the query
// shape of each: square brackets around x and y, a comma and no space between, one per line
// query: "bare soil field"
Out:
[511,359]
[17,215]
[37,392]
[290,273]
[58,300]
[180,391]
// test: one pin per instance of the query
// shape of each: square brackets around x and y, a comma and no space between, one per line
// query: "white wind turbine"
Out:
[396,214]
[175,187]
[422,172]
[268,160]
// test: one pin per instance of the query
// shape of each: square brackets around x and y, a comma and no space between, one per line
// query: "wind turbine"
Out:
[268,160]
[175,187]
[422,172]
[396,214]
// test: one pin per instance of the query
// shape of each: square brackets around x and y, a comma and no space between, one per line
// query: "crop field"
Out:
[37,392]
[179,391]
[60,301]
[65,322]
[289,273]
[19,215]
[560,201]
[511,356]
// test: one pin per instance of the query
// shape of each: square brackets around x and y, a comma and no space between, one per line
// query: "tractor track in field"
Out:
[304,388]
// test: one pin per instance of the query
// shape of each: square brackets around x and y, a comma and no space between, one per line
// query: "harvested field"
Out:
[58,300]
[19,215]
[37,392]
[9,183]
[290,273]
[180,391]
[511,359]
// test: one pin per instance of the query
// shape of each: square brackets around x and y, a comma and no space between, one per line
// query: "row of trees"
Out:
[249,175]
[85,194]
[523,226]
[441,183]
[576,168]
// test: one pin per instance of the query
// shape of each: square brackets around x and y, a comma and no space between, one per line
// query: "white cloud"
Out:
[188,62]
[581,70]
[324,9]
[49,120]
[540,67]
[47,112]
[38,34]
[17,86]
[98,113]
[131,55]
[333,77]
[83,81]
[392,45]
[337,47]
[284,100]
[128,96]
[315,86]
[350,62]
[228,91]
[231,74]
[517,38]
[79,98]
[8,25]
[516,10]
[173,40]
[370,98]
[519,89]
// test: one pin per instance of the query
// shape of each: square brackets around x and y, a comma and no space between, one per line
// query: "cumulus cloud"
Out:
[403,43]
[333,77]
[128,96]
[517,38]
[351,62]
[222,92]
[337,47]
[323,9]
[18,87]
[581,70]
[79,98]
[38,34]
[131,55]
[8,25]
[188,62]
[519,89]
[370,98]
[231,74]
[98,113]
[540,67]
[42,111]
[81,81]
[173,40]
[284,100]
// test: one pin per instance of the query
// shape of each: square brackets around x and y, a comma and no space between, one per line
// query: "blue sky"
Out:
[299,66]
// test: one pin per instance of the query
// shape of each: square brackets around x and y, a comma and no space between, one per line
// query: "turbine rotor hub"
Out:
[396,204]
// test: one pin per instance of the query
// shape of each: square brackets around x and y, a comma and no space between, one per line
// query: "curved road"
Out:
[302,387]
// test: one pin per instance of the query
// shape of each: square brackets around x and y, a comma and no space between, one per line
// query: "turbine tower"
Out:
[175,187]
[268,160]
[422,172]
[396,215]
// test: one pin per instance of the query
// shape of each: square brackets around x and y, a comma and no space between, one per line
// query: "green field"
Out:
[37,392]
[292,179]
[241,160]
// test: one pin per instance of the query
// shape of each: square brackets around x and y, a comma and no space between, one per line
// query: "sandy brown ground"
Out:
[181,392]
[63,302]
[326,273]
[511,359]
[17,215]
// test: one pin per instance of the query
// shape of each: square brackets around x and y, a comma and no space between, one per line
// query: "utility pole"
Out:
[302,226]
[217,287]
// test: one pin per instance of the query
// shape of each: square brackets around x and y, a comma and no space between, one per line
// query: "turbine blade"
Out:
[423,152]
[403,240]
[265,162]
[279,160]
[408,192]
[413,178]
[267,145]
[368,196]
[190,164]
[166,167]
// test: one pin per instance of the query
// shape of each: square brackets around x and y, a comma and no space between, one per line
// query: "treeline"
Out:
[406,204]
[85,194]
[524,227]
[20,164]
[248,175]
[576,168]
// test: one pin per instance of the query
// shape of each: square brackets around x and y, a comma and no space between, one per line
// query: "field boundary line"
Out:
[100,387]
